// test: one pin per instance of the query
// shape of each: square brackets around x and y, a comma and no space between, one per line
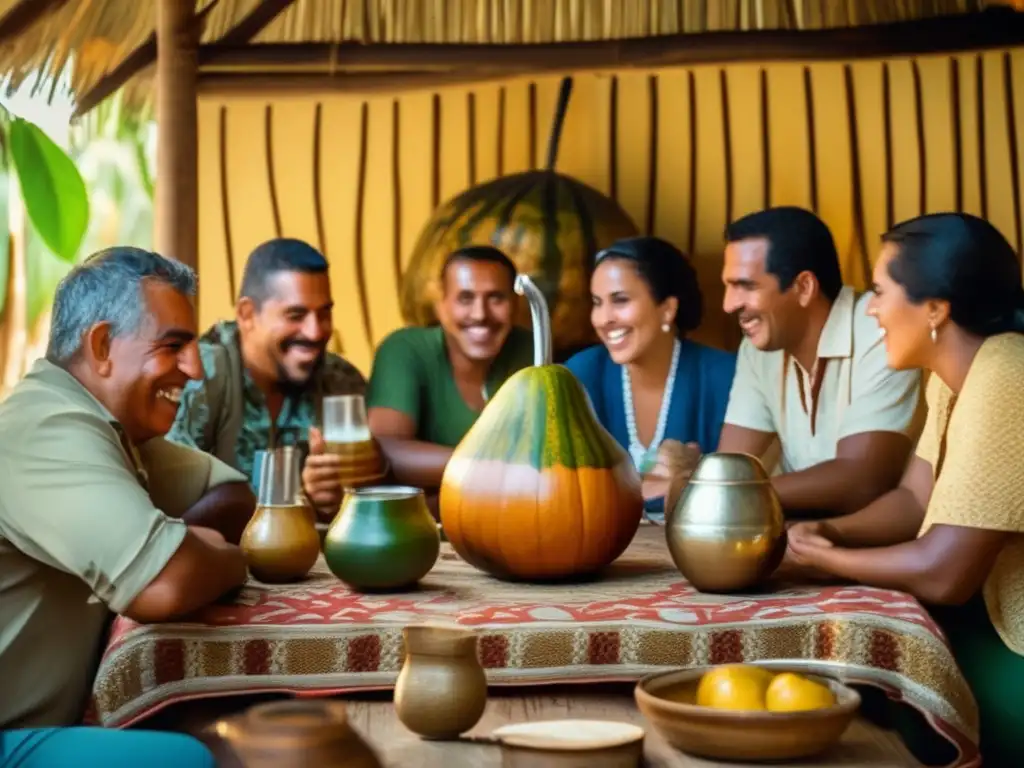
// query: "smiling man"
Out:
[812,369]
[267,371]
[428,385]
[98,513]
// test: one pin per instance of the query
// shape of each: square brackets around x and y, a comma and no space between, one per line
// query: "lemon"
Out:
[734,686]
[790,692]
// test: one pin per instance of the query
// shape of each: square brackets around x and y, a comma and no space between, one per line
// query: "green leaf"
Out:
[55,197]
[5,239]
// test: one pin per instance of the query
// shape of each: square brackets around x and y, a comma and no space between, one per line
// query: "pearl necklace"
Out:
[636,450]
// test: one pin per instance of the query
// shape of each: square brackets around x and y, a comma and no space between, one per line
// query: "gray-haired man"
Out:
[98,513]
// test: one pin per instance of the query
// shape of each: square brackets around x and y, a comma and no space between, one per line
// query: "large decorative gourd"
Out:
[538,489]
[549,224]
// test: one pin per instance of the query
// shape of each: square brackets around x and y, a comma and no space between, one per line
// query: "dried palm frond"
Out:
[96,35]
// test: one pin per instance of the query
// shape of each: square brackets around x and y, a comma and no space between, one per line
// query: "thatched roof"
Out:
[98,35]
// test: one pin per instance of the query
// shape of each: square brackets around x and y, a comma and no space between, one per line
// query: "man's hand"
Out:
[321,477]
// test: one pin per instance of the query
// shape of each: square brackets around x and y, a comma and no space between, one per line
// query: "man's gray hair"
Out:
[108,287]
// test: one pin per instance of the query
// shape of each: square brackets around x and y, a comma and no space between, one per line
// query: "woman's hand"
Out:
[810,545]
[806,551]
[813,533]
[321,477]
[675,463]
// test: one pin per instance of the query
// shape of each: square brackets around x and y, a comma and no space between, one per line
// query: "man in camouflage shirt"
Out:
[266,372]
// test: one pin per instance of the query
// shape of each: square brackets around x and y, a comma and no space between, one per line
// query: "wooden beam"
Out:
[993,28]
[135,62]
[177,182]
[145,55]
[266,84]
[24,14]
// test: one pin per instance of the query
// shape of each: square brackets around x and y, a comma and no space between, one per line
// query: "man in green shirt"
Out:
[266,372]
[429,385]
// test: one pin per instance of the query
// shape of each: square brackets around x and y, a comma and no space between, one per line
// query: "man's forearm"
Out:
[415,462]
[836,487]
[226,508]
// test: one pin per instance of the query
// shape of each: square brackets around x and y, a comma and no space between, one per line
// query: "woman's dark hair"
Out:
[666,271]
[964,260]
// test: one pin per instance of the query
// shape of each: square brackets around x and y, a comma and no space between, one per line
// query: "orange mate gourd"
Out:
[538,489]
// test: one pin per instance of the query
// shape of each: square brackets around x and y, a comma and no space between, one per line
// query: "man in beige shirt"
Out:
[812,370]
[98,513]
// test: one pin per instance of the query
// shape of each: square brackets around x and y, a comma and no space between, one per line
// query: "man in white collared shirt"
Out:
[812,369]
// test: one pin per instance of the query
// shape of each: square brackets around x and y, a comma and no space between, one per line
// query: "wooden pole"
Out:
[177,184]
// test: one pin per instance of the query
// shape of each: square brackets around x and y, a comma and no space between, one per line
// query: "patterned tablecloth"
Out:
[317,636]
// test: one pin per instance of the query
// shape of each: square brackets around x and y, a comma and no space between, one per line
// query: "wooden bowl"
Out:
[570,743]
[667,700]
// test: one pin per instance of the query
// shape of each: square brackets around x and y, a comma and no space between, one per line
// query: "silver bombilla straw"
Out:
[539,316]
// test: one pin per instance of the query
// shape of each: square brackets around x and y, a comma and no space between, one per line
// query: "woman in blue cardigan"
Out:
[646,380]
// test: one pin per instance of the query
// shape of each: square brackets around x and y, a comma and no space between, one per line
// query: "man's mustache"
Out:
[289,343]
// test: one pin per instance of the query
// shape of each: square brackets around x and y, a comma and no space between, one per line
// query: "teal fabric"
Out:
[100,748]
[995,675]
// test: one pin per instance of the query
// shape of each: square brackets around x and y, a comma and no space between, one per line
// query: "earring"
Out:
[665,327]
[934,335]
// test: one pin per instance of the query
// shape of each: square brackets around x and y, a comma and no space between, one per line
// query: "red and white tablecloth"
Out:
[318,637]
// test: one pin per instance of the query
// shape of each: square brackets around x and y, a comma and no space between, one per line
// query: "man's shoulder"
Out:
[340,377]
[414,337]
[38,420]
[213,349]
[33,401]
[754,361]
[411,344]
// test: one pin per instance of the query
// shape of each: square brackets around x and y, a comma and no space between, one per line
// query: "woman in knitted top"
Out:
[948,299]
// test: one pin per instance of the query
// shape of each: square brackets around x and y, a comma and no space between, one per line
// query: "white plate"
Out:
[579,735]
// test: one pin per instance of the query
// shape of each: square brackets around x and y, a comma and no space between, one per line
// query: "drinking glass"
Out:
[347,435]
[279,477]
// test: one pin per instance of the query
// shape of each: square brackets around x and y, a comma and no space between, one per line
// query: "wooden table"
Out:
[318,637]
[863,745]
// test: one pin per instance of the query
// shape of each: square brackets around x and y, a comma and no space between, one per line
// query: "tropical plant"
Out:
[95,194]
[52,191]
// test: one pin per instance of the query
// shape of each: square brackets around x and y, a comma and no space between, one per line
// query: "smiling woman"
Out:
[647,381]
[949,300]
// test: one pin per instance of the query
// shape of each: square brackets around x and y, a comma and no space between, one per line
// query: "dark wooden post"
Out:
[177,189]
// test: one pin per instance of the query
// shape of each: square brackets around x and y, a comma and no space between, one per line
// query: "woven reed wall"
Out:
[684,150]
